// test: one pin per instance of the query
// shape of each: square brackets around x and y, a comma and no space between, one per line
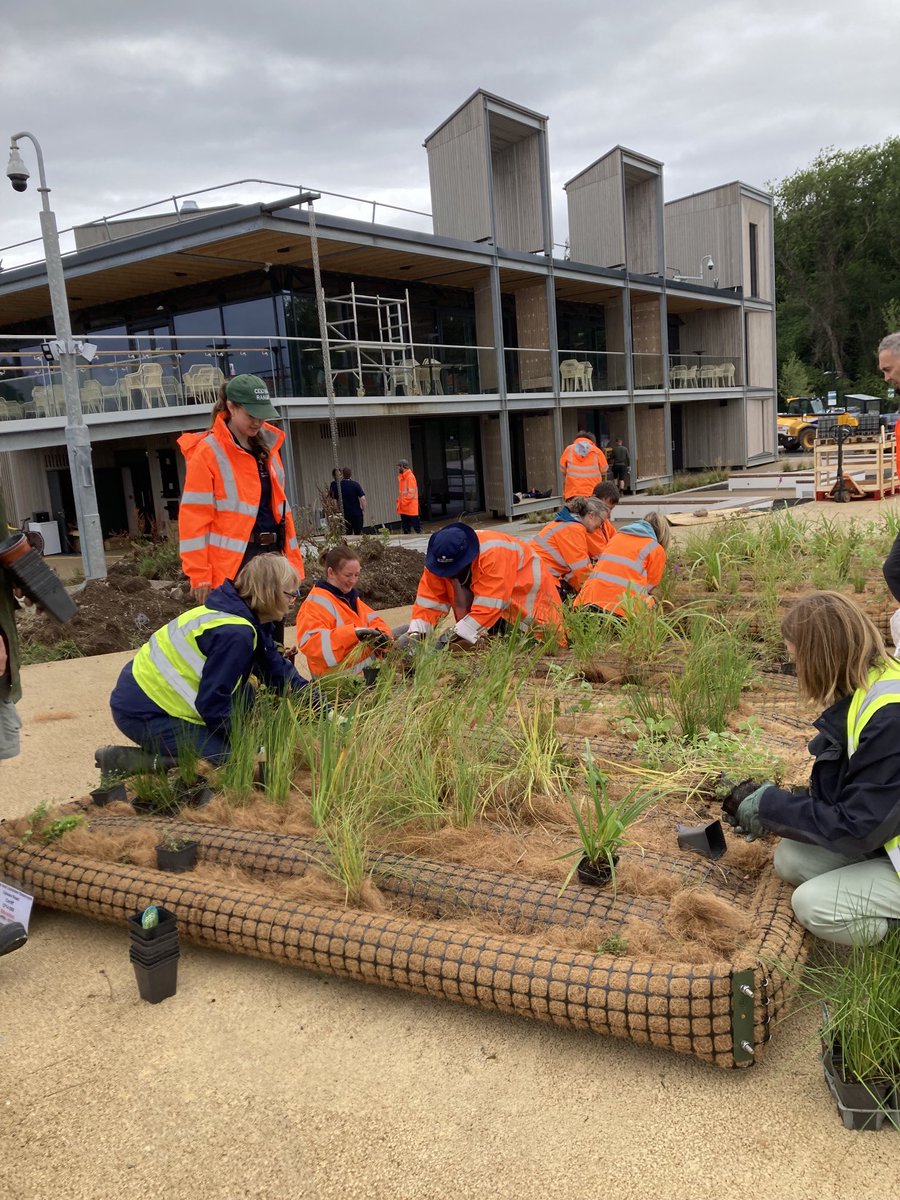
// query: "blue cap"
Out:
[451,549]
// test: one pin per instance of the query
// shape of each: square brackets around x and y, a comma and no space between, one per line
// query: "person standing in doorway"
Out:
[353,500]
[621,463]
[407,498]
[583,465]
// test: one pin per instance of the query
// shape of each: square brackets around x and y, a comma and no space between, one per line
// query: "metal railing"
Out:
[183,207]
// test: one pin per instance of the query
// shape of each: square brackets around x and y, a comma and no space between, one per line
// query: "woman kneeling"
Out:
[336,629]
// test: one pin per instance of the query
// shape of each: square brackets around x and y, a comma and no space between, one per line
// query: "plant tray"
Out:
[721,1012]
[866,1111]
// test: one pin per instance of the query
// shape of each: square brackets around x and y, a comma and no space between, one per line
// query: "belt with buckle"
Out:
[265,539]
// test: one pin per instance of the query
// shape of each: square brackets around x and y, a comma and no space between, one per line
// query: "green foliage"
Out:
[836,264]
[793,378]
[173,840]
[158,560]
[38,652]
[615,944]
[860,987]
[56,829]
[603,823]
[156,791]
[687,481]
[717,668]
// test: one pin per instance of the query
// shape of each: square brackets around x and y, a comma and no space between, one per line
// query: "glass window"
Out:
[199,338]
[250,326]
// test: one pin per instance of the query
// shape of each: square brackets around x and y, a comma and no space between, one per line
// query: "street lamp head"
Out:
[16,170]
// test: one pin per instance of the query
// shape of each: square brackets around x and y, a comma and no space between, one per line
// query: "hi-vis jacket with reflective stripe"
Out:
[583,466]
[408,494]
[508,582]
[220,502]
[853,803]
[168,667]
[325,632]
[563,548]
[632,562]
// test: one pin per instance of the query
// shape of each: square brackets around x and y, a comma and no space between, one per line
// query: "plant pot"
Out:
[152,953]
[595,874]
[182,859]
[166,927]
[158,982]
[102,796]
[199,796]
[861,1104]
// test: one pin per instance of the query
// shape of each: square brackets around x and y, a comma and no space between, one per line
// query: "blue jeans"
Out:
[164,734]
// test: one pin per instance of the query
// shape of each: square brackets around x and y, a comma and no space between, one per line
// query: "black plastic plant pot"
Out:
[150,954]
[199,795]
[708,840]
[165,926]
[179,860]
[861,1104]
[595,874]
[102,796]
[38,581]
[158,982]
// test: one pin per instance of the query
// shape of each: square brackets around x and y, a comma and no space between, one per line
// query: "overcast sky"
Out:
[134,102]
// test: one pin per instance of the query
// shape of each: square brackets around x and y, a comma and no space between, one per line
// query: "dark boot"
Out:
[12,936]
[121,761]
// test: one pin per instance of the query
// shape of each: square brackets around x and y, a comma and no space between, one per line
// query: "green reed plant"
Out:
[717,667]
[589,635]
[238,772]
[539,763]
[277,723]
[346,836]
[603,823]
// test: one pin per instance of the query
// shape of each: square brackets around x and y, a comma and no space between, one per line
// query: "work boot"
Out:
[12,936]
[121,761]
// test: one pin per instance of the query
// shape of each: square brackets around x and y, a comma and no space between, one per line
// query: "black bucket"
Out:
[708,840]
[39,582]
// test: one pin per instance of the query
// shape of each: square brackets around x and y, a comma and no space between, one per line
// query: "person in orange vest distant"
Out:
[631,564]
[335,627]
[583,465]
[234,506]
[489,580]
[608,495]
[407,498]
[564,543]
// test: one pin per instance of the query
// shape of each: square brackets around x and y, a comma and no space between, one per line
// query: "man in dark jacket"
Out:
[12,935]
[10,689]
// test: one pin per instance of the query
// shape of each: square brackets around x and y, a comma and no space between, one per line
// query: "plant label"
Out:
[14,905]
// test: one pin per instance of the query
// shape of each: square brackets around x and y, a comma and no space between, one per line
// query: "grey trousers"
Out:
[10,724]
[839,899]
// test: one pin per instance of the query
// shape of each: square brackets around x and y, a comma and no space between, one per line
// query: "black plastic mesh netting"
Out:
[680,1006]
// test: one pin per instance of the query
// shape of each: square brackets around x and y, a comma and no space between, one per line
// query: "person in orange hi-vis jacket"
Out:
[484,578]
[583,465]
[632,564]
[407,498]
[234,506]
[335,627]
[563,543]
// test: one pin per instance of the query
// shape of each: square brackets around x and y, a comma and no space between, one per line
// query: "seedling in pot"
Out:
[603,825]
[176,852]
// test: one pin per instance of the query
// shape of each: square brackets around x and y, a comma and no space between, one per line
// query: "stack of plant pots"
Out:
[154,955]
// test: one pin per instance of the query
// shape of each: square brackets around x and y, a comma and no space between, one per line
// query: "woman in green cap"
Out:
[234,506]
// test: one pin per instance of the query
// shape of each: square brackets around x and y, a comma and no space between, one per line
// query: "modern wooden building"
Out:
[474,350]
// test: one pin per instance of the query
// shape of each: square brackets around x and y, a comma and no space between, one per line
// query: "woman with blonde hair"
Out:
[631,564]
[564,544]
[840,841]
[182,685]
[234,506]
[336,629]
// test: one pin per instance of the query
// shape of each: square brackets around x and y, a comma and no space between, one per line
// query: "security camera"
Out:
[16,170]
[710,266]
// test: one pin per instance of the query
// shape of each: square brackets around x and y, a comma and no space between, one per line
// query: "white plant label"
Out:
[14,905]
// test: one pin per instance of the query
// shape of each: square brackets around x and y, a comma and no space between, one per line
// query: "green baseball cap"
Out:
[251,393]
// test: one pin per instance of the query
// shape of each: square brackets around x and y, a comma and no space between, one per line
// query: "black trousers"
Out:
[410,524]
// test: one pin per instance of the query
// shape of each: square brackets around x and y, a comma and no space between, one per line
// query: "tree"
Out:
[793,379]
[837,256]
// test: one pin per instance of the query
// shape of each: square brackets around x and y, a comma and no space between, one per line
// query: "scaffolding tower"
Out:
[390,355]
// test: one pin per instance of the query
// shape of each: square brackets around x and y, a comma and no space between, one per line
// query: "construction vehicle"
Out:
[800,415]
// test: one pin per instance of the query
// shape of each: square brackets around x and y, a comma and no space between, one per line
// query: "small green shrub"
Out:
[39,652]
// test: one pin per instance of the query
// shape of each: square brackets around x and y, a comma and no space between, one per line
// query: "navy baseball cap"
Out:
[451,550]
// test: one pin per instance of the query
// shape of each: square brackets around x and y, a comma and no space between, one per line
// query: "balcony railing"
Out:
[704,371]
[127,375]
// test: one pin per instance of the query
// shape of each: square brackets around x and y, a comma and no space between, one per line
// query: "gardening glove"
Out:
[406,641]
[747,817]
[374,637]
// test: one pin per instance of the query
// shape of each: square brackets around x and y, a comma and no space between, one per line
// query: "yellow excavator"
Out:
[798,419]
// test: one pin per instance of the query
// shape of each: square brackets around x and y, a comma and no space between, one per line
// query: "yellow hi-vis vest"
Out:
[168,667]
[883,688]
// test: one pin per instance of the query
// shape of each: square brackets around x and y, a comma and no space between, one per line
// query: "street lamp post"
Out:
[78,438]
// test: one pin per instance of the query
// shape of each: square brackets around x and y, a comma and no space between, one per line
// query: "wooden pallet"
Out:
[869,468]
